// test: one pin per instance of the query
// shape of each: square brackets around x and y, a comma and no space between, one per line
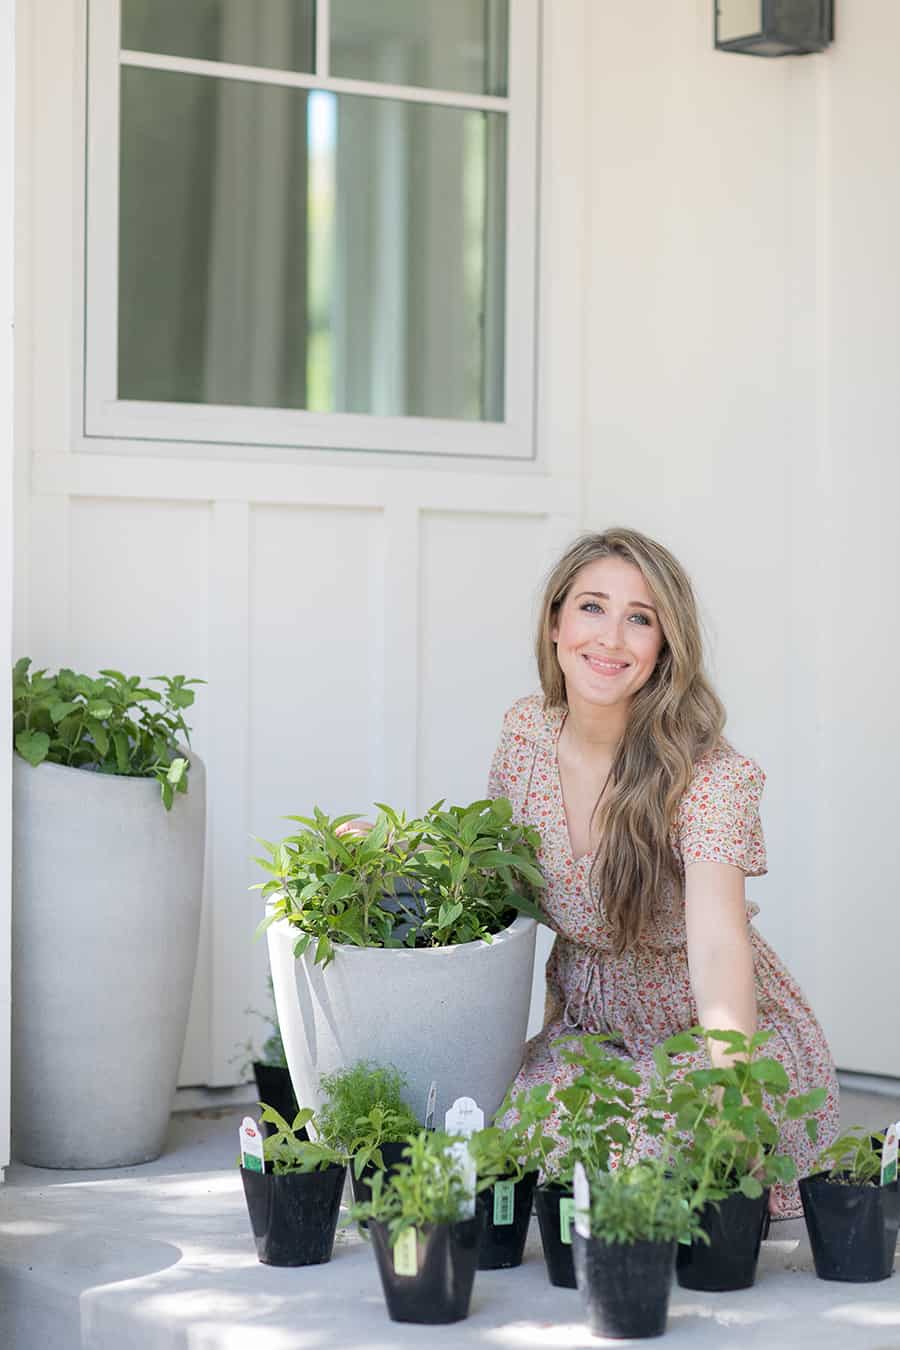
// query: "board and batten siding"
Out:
[362,620]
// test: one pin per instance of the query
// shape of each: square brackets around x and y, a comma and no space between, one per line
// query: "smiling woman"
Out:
[649,822]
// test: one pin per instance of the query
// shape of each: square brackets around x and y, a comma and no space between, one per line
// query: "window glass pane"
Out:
[280,248]
[438,44]
[275,33]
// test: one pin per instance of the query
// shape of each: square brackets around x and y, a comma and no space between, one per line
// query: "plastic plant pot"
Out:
[555,1207]
[505,1223]
[273,1084]
[625,1286]
[444,1258]
[294,1216]
[360,1185]
[735,1229]
[852,1228]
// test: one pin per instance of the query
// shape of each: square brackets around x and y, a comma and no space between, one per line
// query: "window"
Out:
[312,223]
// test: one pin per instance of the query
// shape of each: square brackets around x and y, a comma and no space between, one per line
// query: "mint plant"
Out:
[287,1152]
[453,876]
[427,1188]
[595,1108]
[508,1153]
[112,723]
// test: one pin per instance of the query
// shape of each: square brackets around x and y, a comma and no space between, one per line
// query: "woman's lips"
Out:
[607,668]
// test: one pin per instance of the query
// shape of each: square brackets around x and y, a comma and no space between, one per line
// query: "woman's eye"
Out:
[591,607]
[641,618]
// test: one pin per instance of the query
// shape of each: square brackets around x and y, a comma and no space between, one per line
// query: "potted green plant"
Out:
[365,1114]
[508,1160]
[294,1204]
[731,1117]
[851,1217]
[625,1243]
[593,1114]
[424,1233]
[108,847]
[440,911]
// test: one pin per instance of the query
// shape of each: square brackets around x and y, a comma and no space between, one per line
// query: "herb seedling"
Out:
[854,1159]
[287,1152]
[427,1188]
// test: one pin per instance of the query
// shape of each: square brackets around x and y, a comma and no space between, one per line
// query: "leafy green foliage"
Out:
[854,1158]
[365,1109]
[452,876]
[642,1202]
[509,1152]
[287,1152]
[426,1188]
[595,1108]
[730,1117]
[112,723]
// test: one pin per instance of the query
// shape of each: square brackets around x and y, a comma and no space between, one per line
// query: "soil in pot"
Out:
[439,1264]
[294,1216]
[626,1286]
[507,1211]
[273,1084]
[555,1207]
[362,1190]
[852,1228]
[735,1229]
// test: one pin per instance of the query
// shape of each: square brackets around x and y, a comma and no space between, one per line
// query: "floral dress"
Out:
[645,995]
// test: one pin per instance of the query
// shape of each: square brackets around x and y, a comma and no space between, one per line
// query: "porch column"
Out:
[7,204]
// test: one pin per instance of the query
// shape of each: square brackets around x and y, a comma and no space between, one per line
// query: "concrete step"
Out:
[160,1257]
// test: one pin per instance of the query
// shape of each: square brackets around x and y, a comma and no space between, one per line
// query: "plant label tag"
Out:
[566,1215]
[889,1151]
[464,1117]
[582,1202]
[504,1203]
[251,1145]
[405,1254]
[466,1165]
[430,1105]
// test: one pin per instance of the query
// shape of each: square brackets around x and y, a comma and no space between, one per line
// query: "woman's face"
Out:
[607,633]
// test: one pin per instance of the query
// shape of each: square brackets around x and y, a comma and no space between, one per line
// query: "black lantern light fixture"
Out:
[773,27]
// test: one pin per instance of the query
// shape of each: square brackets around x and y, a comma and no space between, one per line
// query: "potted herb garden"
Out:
[731,1118]
[508,1160]
[852,1213]
[365,1114]
[108,841]
[294,1202]
[425,1233]
[440,912]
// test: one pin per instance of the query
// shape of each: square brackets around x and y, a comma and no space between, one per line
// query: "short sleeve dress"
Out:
[645,995]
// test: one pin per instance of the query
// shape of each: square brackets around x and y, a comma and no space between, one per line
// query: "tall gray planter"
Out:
[455,1015]
[107,890]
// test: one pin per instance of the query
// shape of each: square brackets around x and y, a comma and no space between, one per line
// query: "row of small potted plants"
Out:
[616,1223]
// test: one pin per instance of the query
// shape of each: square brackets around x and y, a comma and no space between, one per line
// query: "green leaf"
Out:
[750,1187]
[770,1073]
[99,708]
[122,749]
[683,1044]
[33,746]
[177,771]
[99,735]
[60,710]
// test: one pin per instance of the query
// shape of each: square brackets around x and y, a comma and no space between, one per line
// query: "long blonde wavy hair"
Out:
[674,719]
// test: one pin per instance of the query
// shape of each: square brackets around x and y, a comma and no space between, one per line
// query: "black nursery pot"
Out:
[626,1286]
[446,1259]
[555,1228]
[361,1185]
[735,1229]
[273,1084]
[294,1216]
[852,1229]
[503,1242]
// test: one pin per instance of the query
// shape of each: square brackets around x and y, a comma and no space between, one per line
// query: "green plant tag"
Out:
[405,1258]
[566,1216]
[504,1202]
[889,1151]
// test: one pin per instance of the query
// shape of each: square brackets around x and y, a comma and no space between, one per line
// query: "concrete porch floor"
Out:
[160,1257]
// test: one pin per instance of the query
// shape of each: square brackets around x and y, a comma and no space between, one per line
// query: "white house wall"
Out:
[7,492]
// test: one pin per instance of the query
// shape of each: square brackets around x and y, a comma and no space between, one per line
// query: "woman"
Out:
[649,823]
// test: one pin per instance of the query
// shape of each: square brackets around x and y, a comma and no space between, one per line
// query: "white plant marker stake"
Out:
[430,1105]
[889,1152]
[464,1118]
[251,1146]
[582,1202]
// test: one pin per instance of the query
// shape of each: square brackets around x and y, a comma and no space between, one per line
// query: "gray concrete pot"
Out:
[107,889]
[454,1014]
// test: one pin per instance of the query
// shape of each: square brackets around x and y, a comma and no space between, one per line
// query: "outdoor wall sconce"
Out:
[773,27]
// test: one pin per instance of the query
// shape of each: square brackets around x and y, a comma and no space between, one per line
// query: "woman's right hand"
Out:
[356,827]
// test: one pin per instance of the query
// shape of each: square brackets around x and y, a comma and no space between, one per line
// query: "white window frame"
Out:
[108,418]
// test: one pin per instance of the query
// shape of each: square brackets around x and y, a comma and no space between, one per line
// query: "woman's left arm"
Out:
[720,957]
